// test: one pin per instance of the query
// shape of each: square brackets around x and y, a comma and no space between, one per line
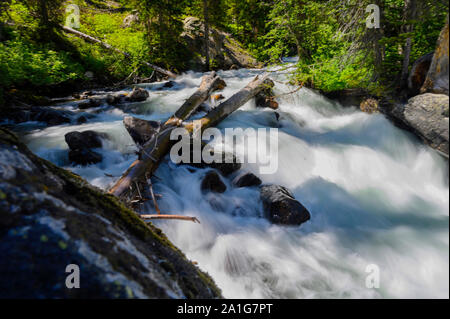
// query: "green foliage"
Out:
[23,63]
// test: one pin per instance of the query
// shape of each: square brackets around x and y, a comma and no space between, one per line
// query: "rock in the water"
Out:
[212,182]
[280,206]
[437,77]
[94,102]
[84,156]
[51,218]
[141,131]
[227,165]
[369,105]
[266,98]
[114,99]
[81,145]
[418,73]
[86,139]
[247,180]
[137,95]
[427,116]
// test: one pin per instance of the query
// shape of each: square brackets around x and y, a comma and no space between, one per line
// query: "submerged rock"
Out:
[247,180]
[212,182]
[51,218]
[137,95]
[280,206]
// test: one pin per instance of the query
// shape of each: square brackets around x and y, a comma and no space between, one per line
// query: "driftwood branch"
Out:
[91,39]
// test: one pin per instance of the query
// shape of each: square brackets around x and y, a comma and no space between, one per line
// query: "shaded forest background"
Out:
[335,48]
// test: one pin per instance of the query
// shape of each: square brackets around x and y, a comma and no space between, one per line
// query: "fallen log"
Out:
[91,39]
[160,145]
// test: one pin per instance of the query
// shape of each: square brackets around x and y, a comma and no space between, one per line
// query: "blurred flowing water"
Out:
[376,196]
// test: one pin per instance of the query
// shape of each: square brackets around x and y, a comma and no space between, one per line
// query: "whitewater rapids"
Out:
[377,196]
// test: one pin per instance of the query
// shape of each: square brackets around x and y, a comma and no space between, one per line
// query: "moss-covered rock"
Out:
[50,218]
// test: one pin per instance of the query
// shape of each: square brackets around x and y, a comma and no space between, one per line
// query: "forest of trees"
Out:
[336,50]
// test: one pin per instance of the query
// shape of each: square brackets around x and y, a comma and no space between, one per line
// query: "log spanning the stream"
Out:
[155,149]
[91,39]
[159,145]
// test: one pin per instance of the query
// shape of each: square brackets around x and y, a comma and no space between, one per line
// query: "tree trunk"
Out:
[206,18]
[409,14]
[155,149]
[88,38]
[160,145]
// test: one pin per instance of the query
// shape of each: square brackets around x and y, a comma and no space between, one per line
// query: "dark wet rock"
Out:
[212,182]
[86,139]
[227,165]
[370,106]
[247,180]
[438,74]
[51,218]
[91,103]
[84,156]
[266,98]
[137,95]
[426,115]
[418,73]
[47,115]
[82,119]
[141,131]
[114,99]
[280,206]
[81,145]
[169,84]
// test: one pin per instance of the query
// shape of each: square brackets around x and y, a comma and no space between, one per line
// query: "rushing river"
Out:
[376,195]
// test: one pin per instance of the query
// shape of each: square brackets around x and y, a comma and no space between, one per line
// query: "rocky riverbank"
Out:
[50,218]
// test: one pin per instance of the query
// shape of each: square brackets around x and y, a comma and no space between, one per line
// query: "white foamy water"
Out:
[376,196]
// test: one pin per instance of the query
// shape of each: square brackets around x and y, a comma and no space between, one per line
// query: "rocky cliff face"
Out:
[426,115]
[437,77]
[225,52]
[50,218]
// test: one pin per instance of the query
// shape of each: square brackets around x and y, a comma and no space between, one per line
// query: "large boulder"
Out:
[81,145]
[280,206]
[224,51]
[140,130]
[419,73]
[427,115]
[51,218]
[437,77]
